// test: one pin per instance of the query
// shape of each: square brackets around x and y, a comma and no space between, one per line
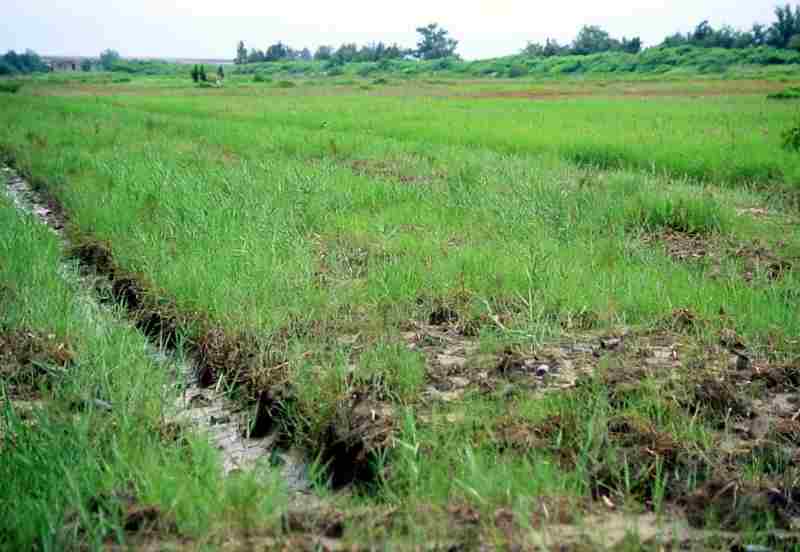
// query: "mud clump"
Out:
[361,430]
[735,505]
[442,316]
[721,400]
[329,524]
[29,360]
[646,458]
[95,256]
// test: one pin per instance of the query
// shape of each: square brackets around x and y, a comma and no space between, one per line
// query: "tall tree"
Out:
[109,58]
[787,25]
[241,53]
[323,53]
[592,40]
[434,42]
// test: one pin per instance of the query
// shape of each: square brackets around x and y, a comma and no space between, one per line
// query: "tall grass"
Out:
[96,434]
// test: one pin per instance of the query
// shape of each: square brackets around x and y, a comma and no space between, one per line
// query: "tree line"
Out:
[783,33]
[13,63]
[434,43]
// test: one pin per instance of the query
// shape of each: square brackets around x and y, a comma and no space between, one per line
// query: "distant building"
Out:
[64,64]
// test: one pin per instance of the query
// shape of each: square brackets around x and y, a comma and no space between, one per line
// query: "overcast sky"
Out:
[205,28]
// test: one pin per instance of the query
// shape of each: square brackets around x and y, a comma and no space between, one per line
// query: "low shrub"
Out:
[10,87]
[285,84]
[517,70]
[791,137]
[788,94]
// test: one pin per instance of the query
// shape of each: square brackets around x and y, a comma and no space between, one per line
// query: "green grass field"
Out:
[486,313]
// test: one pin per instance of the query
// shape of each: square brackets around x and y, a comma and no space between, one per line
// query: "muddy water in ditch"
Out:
[206,410]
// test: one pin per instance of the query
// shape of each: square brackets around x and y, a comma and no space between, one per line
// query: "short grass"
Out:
[323,222]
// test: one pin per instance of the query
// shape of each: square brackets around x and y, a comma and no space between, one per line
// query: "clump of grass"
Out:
[259,78]
[10,87]
[690,213]
[285,84]
[791,137]
[792,93]
[394,370]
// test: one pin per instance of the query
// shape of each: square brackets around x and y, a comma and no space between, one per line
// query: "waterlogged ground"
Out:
[477,320]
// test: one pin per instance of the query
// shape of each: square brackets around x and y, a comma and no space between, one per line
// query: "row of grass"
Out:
[95,435]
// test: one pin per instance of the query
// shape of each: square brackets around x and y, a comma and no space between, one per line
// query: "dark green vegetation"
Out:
[13,63]
[490,320]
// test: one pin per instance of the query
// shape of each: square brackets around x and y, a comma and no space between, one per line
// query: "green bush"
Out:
[258,77]
[10,87]
[285,84]
[788,94]
[367,69]
[791,137]
[517,70]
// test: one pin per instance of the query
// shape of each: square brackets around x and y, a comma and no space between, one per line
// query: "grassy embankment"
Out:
[308,230]
[86,452]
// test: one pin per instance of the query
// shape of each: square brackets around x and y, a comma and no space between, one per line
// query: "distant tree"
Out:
[702,33]
[592,40]
[434,42]
[759,33]
[109,58]
[256,56]
[305,54]
[241,53]
[744,40]
[202,73]
[553,48]
[786,26]
[675,40]
[533,49]
[29,62]
[346,53]
[323,53]
[195,73]
[86,65]
[794,43]
[632,46]
[277,52]
[220,73]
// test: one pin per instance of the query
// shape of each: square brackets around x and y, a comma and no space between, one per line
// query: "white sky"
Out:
[205,28]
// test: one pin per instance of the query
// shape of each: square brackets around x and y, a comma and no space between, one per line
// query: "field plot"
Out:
[483,318]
